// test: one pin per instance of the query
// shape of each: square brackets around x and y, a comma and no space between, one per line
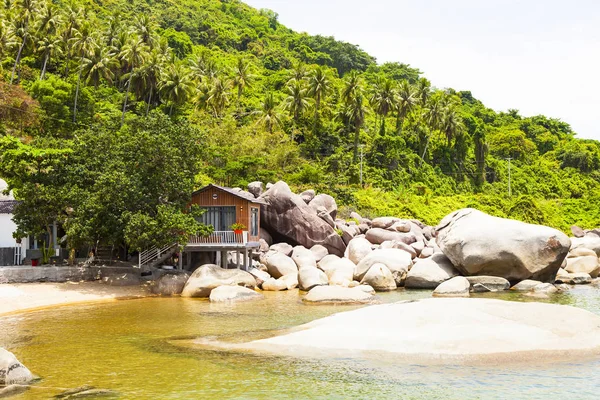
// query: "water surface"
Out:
[130,347]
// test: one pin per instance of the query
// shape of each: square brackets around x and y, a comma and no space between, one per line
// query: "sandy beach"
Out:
[28,296]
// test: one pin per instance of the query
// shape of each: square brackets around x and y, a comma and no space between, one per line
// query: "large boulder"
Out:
[383,222]
[278,264]
[210,276]
[282,248]
[274,285]
[230,294]
[12,371]
[308,195]
[287,216]
[256,188]
[309,277]
[260,275]
[428,273]
[394,244]
[587,264]
[591,242]
[324,200]
[170,284]
[266,236]
[319,252]
[338,295]
[340,272]
[480,244]
[380,278]
[379,235]
[455,287]
[358,248]
[397,261]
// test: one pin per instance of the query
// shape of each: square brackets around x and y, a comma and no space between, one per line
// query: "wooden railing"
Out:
[220,237]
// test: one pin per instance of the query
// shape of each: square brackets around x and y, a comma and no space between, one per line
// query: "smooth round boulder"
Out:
[274,285]
[428,273]
[337,295]
[491,283]
[383,222]
[265,235]
[578,278]
[282,248]
[278,264]
[308,195]
[210,276]
[170,284]
[324,200]
[256,188]
[426,252]
[587,264]
[456,287]
[290,280]
[479,244]
[340,272]
[323,265]
[309,277]
[394,244]
[233,294]
[396,260]
[581,252]
[319,252]
[591,242]
[380,278]
[12,371]
[526,285]
[260,275]
[577,231]
[400,226]
[304,258]
[379,235]
[358,248]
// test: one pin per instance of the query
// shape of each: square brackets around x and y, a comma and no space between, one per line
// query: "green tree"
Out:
[269,115]
[319,86]
[133,54]
[383,99]
[83,43]
[26,11]
[242,77]
[176,85]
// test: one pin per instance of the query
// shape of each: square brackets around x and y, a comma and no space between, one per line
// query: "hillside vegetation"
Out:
[113,111]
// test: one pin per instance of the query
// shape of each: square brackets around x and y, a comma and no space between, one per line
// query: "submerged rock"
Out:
[230,294]
[12,371]
[338,295]
[491,283]
[480,244]
[455,287]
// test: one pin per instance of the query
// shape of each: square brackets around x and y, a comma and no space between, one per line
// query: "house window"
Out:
[221,218]
[254,221]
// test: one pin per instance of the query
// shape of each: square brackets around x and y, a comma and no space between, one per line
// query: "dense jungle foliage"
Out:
[112,111]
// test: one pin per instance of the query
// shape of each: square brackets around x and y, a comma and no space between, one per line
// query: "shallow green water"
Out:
[128,347]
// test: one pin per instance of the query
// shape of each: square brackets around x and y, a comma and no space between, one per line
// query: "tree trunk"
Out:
[18,59]
[171,109]
[77,90]
[356,137]
[424,151]
[149,100]
[126,97]
[43,73]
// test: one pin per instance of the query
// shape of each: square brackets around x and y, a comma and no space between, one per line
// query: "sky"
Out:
[539,57]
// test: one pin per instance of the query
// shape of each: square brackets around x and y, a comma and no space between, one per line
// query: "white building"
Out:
[11,252]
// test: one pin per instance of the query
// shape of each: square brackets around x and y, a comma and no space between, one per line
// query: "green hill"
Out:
[260,102]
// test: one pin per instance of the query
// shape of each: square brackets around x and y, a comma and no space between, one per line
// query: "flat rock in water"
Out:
[229,294]
[338,295]
[491,283]
[447,328]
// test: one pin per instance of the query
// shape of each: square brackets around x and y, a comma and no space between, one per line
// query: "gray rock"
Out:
[358,248]
[278,264]
[383,222]
[356,216]
[269,185]
[338,295]
[348,232]
[309,277]
[480,244]
[581,252]
[263,246]
[393,244]
[455,287]
[274,285]
[397,261]
[428,273]
[304,258]
[379,235]
[418,247]
[210,276]
[340,272]
[324,200]
[578,278]
[12,371]
[577,231]
[259,275]
[366,288]
[400,226]
[290,280]
[587,264]
[325,216]
[491,283]
[256,188]
[230,294]
[427,252]
[380,278]
[266,236]
[591,242]
[546,288]
[282,248]
[308,195]
[288,216]
[170,284]
[319,252]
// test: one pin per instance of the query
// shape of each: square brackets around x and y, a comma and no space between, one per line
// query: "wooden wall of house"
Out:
[242,206]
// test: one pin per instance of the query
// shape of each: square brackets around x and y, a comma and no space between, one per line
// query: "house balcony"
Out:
[221,240]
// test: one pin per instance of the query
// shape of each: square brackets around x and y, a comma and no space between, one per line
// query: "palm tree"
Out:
[73,17]
[299,72]
[151,73]
[218,96]
[269,115]
[319,86]
[353,107]
[406,100]
[382,99]
[176,85]
[452,125]
[203,66]
[115,27]
[242,77]
[99,65]
[133,55]
[83,43]
[202,96]
[48,46]
[423,90]
[7,38]
[144,28]
[48,20]
[26,11]
[296,101]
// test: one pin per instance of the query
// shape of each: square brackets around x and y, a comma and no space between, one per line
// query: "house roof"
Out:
[235,192]
[7,206]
